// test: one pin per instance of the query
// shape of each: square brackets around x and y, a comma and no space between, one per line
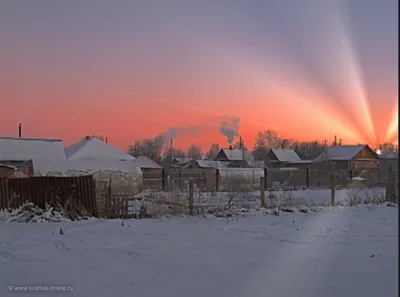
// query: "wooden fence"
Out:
[39,190]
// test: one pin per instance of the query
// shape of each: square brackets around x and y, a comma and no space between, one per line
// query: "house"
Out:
[92,147]
[278,158]
[19,152]
[346,157]
[389,161]
[229,154]
[174,162]
[147,164]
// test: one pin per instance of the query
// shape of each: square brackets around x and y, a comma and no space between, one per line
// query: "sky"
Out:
[129,69]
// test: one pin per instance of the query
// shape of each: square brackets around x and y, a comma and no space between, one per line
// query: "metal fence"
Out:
[14,192]
[214,179]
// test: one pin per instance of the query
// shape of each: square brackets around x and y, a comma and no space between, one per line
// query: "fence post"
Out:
[203,180]
[190,198]
[180,179]
[333,188]
[108,201]
[395,188]
[217,180]
[265,178]
[308,178]
[163,179]
[262,191]
[318,182]
[351,174]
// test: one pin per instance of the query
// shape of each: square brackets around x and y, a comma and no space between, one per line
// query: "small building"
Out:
[18,152]
[229,155]
[147,164]
[7,171]
[389,161]
[278,158]
[346,157]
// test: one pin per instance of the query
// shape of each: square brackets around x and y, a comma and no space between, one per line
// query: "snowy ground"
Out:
[344,251]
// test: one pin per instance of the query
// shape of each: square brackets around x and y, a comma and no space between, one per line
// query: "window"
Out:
[357,165]
[333,165]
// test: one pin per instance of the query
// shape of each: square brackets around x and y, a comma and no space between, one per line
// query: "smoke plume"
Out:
[174,132]
[230,128]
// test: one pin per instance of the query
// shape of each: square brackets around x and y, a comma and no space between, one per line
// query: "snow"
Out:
[95,148]
[286,155]
[341,251]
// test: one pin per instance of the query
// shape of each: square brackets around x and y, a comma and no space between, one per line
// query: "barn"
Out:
[348,157]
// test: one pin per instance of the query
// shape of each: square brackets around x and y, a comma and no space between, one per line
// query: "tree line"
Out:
[159,146]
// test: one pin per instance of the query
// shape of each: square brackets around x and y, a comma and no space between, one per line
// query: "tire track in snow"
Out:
[293,271]
[62,247]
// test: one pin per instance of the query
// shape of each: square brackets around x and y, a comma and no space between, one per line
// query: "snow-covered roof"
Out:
[286,155]
[182,161]
[340,152]
[145,162]
[237,154]
[210,164]
[83,166]
[96,148]
[22,149]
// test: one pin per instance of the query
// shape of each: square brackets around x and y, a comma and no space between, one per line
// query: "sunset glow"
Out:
[133,69]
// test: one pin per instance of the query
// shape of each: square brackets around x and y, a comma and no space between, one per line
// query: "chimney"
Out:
[20,130]
[340,141]
[325,142]
[335,141]
[230,147]
[240,142]
[106,139]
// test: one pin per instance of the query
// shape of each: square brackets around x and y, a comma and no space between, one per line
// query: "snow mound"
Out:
[54,212]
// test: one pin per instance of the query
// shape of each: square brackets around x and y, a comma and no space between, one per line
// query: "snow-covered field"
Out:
[340,251]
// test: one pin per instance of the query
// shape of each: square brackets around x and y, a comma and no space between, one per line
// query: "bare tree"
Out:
[387,148]
[151,147]
[309,149]
[100,137]
[239,145]
[213,151]
[174,153]
[268,140]
[194,152]
[260,149]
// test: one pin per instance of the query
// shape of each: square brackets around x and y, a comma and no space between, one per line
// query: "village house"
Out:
[230,155]
[278,158]
[346,157]
[19,152]
[147,164]
[174,162]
